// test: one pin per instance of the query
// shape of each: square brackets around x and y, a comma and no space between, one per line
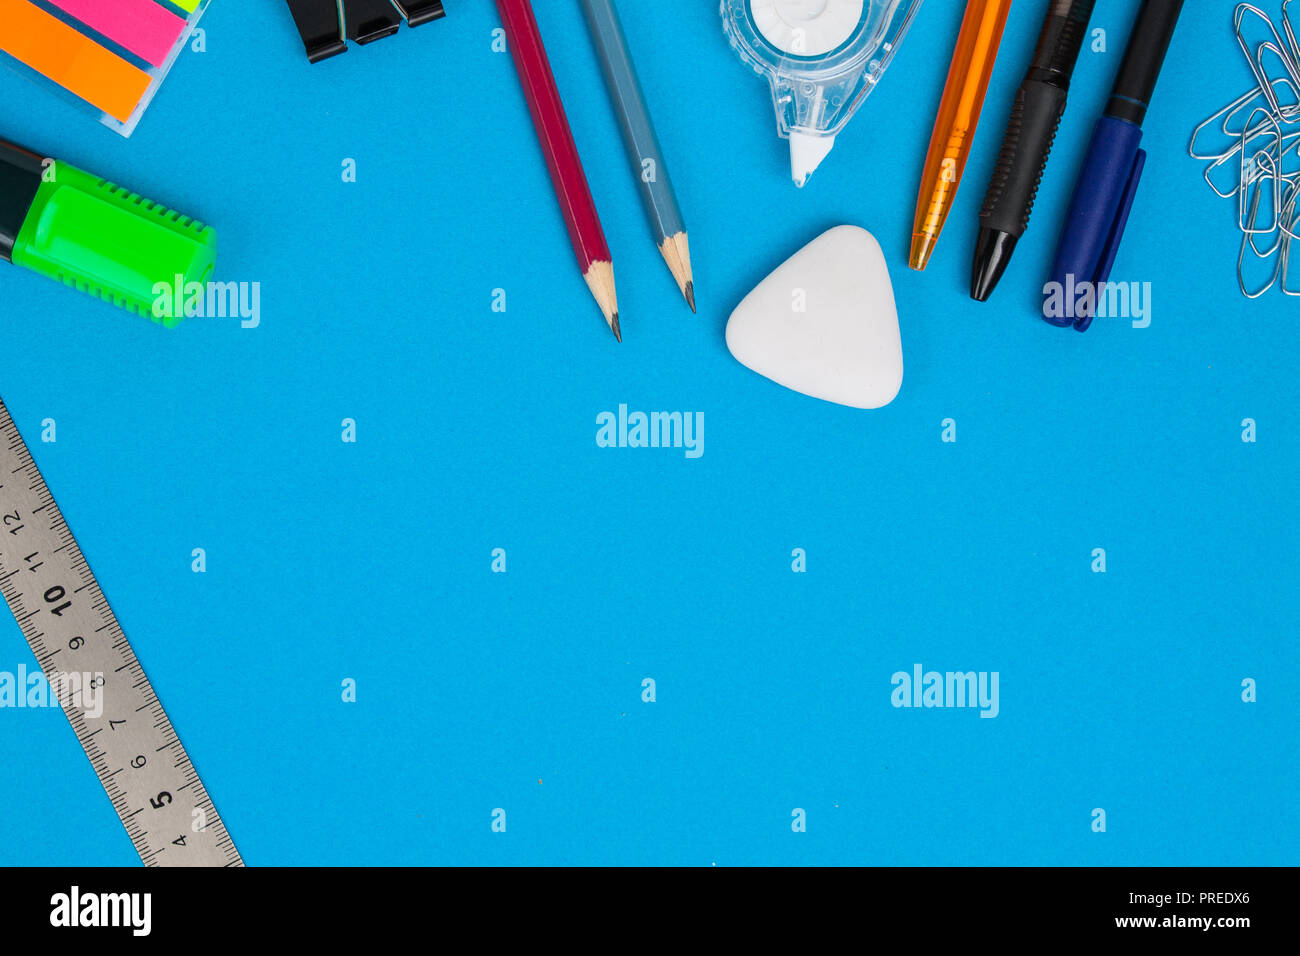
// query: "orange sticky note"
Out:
[69,58]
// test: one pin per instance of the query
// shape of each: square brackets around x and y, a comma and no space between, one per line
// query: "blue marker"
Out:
[1107,186]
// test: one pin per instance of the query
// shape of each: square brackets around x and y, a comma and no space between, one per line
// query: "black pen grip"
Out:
[1031,132]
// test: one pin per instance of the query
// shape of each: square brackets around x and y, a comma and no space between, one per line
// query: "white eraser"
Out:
[825,323]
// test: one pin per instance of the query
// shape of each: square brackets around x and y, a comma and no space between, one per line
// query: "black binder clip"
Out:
[327,25]
[418,12]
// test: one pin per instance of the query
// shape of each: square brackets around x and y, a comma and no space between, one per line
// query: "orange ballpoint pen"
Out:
[959,114]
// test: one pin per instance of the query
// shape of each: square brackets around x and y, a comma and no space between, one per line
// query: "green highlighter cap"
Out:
[100,238]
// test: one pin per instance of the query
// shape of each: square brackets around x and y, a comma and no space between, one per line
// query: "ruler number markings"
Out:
[107,698]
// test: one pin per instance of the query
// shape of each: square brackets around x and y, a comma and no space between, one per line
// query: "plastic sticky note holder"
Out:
[110,56]
[821,57]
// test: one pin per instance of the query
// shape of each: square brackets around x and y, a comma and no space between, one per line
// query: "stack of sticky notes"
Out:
[110,54]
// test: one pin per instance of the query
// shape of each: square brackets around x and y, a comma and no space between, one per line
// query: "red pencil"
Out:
[561,154]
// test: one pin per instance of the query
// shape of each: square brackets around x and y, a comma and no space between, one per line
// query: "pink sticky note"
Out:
[144,27]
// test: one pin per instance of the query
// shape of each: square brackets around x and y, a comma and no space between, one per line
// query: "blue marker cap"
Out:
[1099,211]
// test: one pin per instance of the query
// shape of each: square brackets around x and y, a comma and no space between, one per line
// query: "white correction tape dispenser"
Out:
[821,57]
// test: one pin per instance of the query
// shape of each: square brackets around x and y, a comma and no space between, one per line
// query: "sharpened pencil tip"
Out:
[690,296]
[600,279]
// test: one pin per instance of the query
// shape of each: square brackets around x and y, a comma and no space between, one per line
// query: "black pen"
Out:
[1035,116]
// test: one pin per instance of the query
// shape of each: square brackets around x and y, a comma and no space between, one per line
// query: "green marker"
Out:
[96,236]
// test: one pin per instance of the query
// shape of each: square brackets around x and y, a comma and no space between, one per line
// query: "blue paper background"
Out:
[476,430]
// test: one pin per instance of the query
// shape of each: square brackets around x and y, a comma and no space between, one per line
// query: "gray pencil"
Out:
[642,142]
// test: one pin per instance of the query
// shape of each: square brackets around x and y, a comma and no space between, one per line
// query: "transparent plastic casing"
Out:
[157,74]
[817,95]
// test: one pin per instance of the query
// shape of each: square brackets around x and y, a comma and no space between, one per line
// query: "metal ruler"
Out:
[90,666]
